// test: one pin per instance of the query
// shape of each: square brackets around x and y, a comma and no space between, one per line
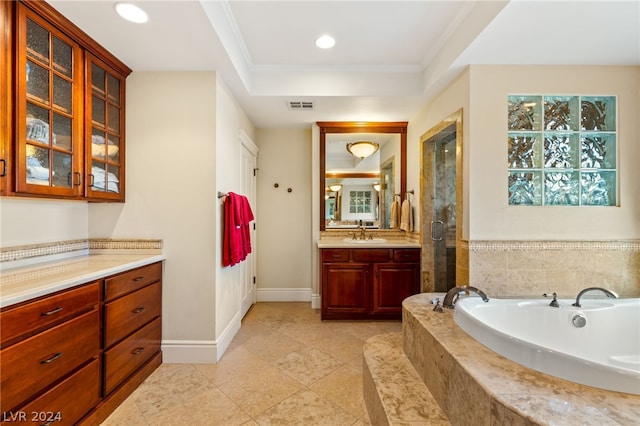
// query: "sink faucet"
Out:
[363,232]
[609,293]
[449,301]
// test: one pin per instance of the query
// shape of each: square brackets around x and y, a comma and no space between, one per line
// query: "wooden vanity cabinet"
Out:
[132,331]
[73,356]
[52,345]
[368,283]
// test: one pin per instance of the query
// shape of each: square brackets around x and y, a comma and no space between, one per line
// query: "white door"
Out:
[249,162]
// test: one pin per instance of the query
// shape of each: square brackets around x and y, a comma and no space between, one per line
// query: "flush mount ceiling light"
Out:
[336,187]
[362,149]
[131,12]
[325,42]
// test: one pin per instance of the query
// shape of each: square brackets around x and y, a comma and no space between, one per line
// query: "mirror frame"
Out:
[399,127]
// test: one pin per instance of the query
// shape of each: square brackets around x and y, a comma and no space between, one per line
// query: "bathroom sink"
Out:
[366,241]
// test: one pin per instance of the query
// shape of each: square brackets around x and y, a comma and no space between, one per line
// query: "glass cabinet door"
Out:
[6,9]
[49,105]
[105,125]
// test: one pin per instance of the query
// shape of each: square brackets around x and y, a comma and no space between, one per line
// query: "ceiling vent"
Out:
[300,105]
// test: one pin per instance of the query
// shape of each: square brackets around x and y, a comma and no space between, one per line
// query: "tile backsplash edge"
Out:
[614,245]
[77,247]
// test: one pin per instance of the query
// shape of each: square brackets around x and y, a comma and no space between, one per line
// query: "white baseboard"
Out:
[283,294]
[199,351]
[316,302]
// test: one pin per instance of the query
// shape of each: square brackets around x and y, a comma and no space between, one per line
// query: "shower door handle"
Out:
[434,228]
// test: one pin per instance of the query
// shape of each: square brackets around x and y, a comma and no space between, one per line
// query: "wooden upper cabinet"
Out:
[49,106]
[6,53]
[67,132]
[104,131]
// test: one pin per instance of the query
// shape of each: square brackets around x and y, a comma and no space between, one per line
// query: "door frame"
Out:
[427,197]
[248,273]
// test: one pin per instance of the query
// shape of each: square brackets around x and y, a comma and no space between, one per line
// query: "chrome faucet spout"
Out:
[609,293]
[450,298]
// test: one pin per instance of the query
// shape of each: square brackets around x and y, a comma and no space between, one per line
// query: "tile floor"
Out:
[284,367]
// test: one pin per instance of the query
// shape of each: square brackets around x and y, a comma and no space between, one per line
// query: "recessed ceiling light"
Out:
[325,42]
[131,12]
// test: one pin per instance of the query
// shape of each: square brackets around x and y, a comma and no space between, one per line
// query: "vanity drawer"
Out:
[70,400]
[128,313]
[127,356]
[127,282]
[29,318]
[35,363]
[406,255]
[370,255]
[335,255]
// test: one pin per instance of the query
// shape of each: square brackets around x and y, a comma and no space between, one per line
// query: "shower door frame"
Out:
[427,197]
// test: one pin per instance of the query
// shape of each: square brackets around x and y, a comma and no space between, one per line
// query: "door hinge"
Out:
[255,171]
[254,226]
[254,279]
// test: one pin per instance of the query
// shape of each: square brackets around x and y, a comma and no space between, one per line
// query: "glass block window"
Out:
[360,202]
[562,150]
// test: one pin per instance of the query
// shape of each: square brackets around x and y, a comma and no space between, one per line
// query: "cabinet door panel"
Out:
[27,319]
[392,283]
[124,315]
[345,287]
[37,362]
[127,356]
[105,132]
[70,400]
[49,98]
[129,281]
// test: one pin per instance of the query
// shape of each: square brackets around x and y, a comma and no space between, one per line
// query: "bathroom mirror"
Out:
[356,190]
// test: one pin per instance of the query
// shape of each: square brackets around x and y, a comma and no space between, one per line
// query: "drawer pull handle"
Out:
[138,279]
[138,310]
[51,312]
[137,351]
[336,256]
[51,359]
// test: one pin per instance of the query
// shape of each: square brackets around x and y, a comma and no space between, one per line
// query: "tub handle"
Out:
[554,303]
[433,228]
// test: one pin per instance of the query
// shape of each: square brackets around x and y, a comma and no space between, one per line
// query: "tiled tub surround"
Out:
[475,386]
[27,272]
[531,268]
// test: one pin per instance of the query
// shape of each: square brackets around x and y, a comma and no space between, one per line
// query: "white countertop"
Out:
[343,243]
[28,282]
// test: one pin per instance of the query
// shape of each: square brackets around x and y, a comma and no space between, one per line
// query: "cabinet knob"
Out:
[138,310]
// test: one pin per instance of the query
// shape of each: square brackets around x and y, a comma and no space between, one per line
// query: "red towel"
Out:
[237,234]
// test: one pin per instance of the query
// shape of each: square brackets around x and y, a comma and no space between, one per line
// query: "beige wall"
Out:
[33,221]
[182,147]
[517,249]
[492,218]
[284,229]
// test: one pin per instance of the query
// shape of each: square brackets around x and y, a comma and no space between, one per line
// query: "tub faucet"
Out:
[449,301]
[609,293]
